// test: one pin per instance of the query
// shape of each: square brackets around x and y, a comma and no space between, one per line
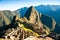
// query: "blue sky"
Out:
[16,4]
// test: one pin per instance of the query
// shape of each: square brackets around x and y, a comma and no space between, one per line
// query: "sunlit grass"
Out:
[26,29]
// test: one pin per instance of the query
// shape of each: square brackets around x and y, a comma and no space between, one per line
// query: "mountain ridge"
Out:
[46,9]
[6,17]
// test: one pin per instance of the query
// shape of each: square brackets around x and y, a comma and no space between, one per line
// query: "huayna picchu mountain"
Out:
[35,17]
[51,10]
[33,24]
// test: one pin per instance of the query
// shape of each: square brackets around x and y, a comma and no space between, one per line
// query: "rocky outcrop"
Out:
[40,19]
[48,21]
[34,18]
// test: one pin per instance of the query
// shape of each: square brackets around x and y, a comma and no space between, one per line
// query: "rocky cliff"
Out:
[35,17]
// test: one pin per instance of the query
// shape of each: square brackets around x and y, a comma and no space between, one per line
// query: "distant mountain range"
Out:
[50,10]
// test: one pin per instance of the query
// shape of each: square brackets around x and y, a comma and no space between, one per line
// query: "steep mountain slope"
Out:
[51,10]
[17,30]
[34,17]
[49,15]
[22,11]
[57,28]
[6,17]
[48,21]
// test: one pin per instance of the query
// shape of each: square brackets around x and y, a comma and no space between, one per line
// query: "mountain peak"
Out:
[32,7]
[33,16]
[31,10]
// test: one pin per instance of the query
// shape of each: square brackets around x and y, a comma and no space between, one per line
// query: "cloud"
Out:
[16,4]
